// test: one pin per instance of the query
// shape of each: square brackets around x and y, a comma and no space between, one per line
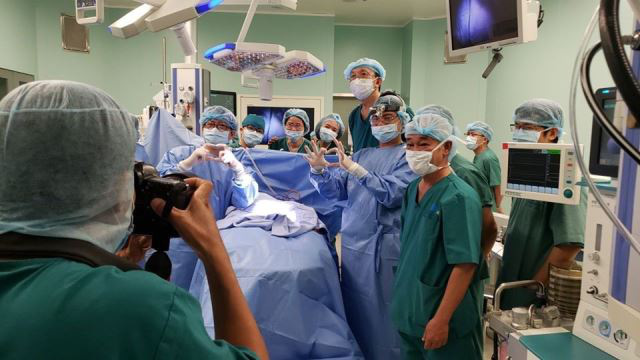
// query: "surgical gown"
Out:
[535,227]
[360,130]
[370,243]
[226,192]
[439,232]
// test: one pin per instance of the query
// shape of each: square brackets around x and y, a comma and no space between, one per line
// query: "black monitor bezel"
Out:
[229,93]
[595,168]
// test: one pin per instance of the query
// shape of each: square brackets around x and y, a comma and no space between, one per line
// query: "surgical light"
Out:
[298,64]
[240,57]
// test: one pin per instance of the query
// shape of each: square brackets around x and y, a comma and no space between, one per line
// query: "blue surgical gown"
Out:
[370,243]
[226,192]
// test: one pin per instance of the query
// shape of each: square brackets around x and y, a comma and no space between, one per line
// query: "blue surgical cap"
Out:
[368,63]
[219,113]
[256,121]
[445,113]
[299,113]
[66,163]
[334,117]
[431,125]
[542,112]
[394,101]
[482,128]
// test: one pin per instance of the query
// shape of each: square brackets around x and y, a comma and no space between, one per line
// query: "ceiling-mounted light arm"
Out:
[248,20]
[248,80]
[155,3]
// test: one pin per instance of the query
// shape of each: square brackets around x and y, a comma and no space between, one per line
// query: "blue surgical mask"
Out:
[529,136]
[294,135]
[385,133]
[215,136]
[252,138]
[327,135]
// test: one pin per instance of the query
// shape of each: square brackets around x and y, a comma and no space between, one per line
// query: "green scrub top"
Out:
[360,130]
[474,178]
[59,309]
[489,164]
[439,232]
[282,145]
[535,227]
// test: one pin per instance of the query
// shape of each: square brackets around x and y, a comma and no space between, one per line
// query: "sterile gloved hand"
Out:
[346,163]
[315,157]
[224,154]
[199,156]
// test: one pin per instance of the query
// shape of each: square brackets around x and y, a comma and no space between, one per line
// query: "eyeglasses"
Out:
[249,127]
[218,125]
[524,126]
[385,119]
[292,126]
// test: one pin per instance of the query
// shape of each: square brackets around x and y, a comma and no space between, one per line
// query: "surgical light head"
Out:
[264,62]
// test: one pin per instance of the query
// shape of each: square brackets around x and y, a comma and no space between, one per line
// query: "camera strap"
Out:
[14,246]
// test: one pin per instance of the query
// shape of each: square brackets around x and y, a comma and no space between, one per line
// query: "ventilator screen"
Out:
[534,170]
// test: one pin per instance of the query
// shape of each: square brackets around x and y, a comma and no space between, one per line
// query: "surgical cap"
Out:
[368,63]
[66,163]
[542,112]
[334,117]
[219,113]
[437,110]
[394,101]
[482,128]
[445,113]
[256,121]
[431,125]
[299,113]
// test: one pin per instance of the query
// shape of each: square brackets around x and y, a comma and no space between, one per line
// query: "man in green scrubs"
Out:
[539,233]
[436,297]
[468,172]
[296,126]
[78,187]
[365,77]
[479,135]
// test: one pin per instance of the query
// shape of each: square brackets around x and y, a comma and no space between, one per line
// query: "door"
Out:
[10,80]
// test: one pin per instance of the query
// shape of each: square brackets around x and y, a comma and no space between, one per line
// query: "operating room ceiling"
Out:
[357,12]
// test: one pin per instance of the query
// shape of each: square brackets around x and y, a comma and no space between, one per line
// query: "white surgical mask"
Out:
[472,142]
[361,88]
[215,136]
[420,161]
[327,135]
[530,136]
[294,135]
[385,133]
[251,138]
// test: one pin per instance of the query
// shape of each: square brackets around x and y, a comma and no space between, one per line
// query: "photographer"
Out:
[66,198]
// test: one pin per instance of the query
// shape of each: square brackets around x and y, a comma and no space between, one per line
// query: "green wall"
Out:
[384,44]
[18,40]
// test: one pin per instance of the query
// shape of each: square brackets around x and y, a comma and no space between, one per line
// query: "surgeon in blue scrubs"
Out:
[372,183]
[213,161]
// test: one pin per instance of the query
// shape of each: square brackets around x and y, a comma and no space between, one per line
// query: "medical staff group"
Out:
[417,227]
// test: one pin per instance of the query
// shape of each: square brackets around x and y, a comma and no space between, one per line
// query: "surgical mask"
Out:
[472,142]
[530,136]
[361,88]
[327,135]
[420,161]
[294,135]
[251,138]
[385,133]
[215,136]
